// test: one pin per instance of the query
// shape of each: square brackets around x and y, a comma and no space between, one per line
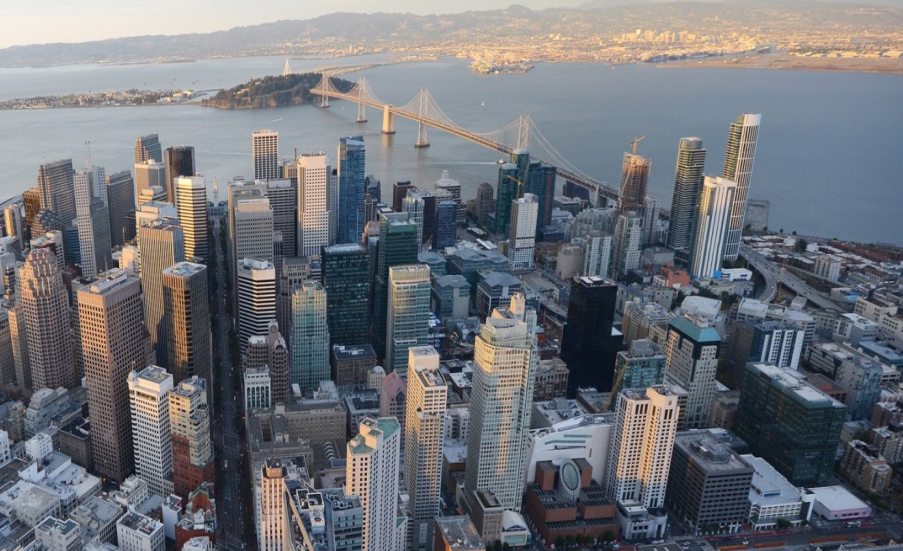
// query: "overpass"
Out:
[424,110]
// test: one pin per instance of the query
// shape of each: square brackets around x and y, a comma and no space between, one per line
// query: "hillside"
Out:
[277,91]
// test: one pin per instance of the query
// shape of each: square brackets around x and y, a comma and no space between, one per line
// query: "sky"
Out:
[43,21]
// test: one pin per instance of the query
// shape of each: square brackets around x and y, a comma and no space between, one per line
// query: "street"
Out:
[772,274]
[230,478]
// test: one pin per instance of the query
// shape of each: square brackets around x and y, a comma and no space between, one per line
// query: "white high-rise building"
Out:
[424,435]
[92,220]
[265,150]
[407,322]
[596,254]
[371,473]
[256,298]
[191,201]
[640,457]
[258,388]
[627,245]
[738,165]
[151,435]
[712,226]
[501,404]
[413,204]
[314,200]
[522,236]
[310,336]
[692,355]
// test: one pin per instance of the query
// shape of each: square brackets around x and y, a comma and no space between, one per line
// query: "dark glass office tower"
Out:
[399,192]
[121,202]
[179,161]
[685,201]
[346,279]
[351,189]
[541,183]
[429,217]
[446,225]
[397,245]
[506,191]
[588,347]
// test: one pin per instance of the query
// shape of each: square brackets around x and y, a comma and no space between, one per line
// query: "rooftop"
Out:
[711,454]
[185,269]
[795,382]
[836,498]
[699,334]
[769,487]
[353,352]
[459,533]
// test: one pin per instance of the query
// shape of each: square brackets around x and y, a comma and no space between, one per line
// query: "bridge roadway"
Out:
[597,188]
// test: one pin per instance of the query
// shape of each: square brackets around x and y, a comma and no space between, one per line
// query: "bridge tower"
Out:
[388,120]
[361,108]
[422,139]
[324,85]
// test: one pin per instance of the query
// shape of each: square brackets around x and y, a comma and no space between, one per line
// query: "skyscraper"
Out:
[712,227]
[407,324]
[148,396]
[399,192]
[627,244]
[639,457]
[114,343]
[506,190]
[92,220]
[424,416]
[256,298]
[271,351]
[346,280]
[641,365]
[412,204]
[589,345]
[692,352]
[314,174]
[148,148]
[283,196]
[453,188]
[179,162]
[270,506]
[371,473]
[43,305]
[485,202]
[310,336]
[446,225]
[738,165]
[596,254]
[397,246]
[685,202]
[55,182]
[150,176]
[351,158]
[522,237]
[634,181]
[191,201]
[252,228]
[121,203]
[265,150]
[187,321]
[192,448]
[500,404]
[161,244]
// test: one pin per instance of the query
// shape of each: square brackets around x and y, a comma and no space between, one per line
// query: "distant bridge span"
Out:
[424,110]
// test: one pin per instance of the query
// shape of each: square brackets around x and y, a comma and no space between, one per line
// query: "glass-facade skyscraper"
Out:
[738,165]
[687,186]
[351,157]
[588,346]
[397,245]
[346,278]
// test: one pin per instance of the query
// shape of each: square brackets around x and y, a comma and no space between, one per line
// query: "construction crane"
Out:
[614,387]
[636,141]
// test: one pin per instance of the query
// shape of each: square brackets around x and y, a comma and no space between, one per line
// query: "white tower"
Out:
[371,473]
[712,226]
[151,436]
[314,179]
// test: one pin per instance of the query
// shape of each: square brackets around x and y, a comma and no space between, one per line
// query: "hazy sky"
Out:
[42,21]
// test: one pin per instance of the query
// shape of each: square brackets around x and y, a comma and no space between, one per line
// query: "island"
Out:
[100,99]
[272,91]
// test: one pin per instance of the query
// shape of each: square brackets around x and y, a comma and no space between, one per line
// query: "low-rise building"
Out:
[97,517]
[834,503]
[772,497]
[351,364]
[551,380]
[136,532]
[456,534]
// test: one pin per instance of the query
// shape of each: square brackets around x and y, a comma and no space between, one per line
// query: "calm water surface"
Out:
[829,158]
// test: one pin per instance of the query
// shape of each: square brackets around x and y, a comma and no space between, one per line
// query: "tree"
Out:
[497,545]
[783,524]
[580,539]
[559,541]
[608,536]
[570,539]
[801,245]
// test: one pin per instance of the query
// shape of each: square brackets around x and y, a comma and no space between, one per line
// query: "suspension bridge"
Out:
[520,133]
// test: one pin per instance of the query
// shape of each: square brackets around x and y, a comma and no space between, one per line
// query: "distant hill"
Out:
[273,91]
[384,31]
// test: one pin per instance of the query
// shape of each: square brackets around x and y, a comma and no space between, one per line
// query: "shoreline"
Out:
[786,62]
